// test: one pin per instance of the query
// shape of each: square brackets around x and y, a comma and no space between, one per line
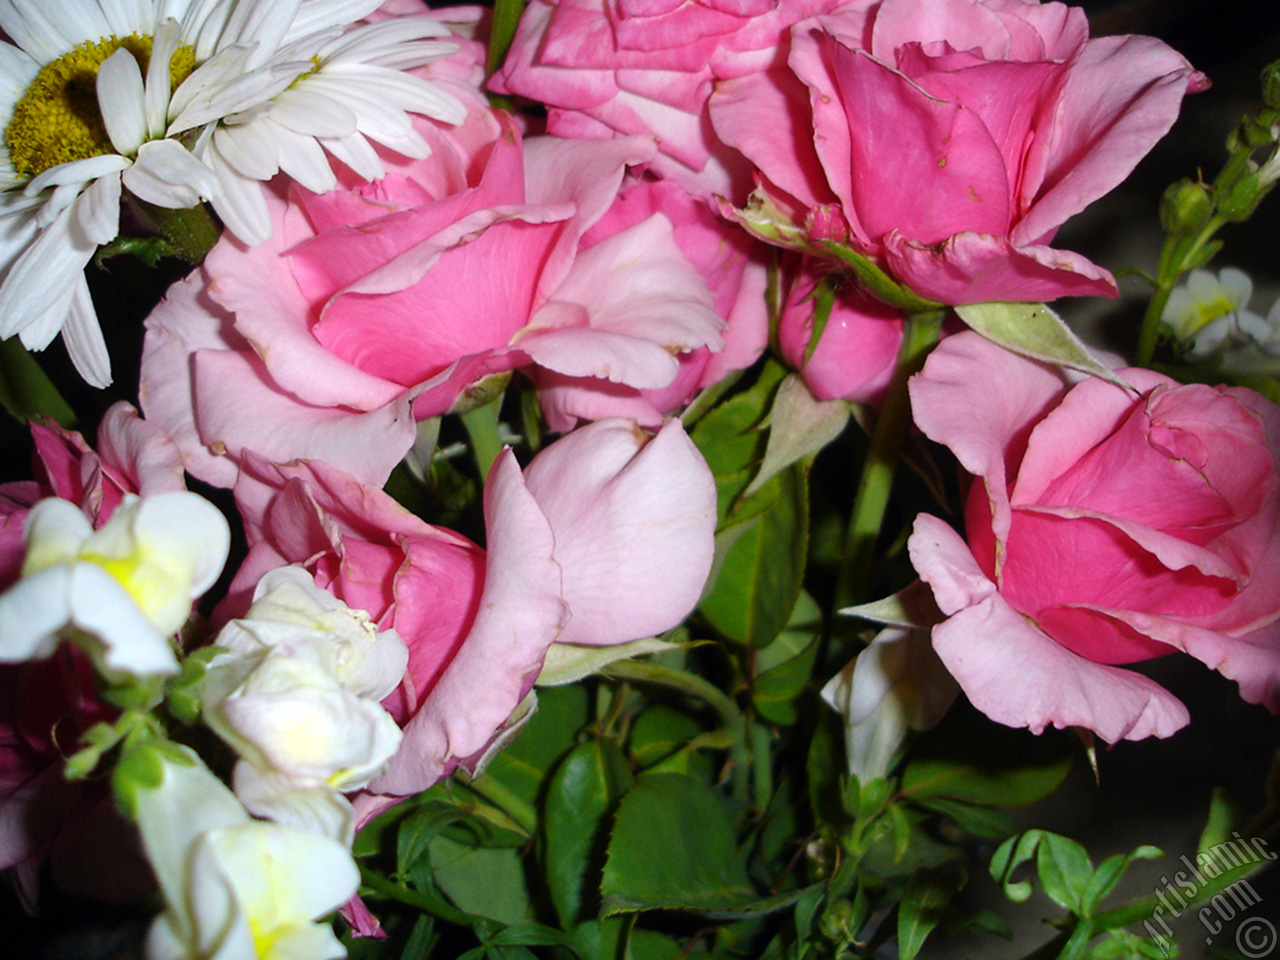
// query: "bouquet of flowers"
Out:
[601,479]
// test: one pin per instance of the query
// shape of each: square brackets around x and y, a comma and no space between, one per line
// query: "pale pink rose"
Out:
[606,537]
[1103,528]
[857,350]
[608,68]
[950,139]
[735,270]
[378,304]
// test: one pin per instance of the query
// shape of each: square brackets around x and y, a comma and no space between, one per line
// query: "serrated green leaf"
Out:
[582,791]
[416,833]
[552,732]
[1035,331]
[728,436]
[927,894]
[673,847]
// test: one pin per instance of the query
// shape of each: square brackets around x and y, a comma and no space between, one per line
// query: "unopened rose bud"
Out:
[1185,208]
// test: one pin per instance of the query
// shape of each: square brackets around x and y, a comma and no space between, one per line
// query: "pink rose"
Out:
[857,350]
[378,304]
[731,264]
[606,537]
[608,68]
[1104,529]
[950,139]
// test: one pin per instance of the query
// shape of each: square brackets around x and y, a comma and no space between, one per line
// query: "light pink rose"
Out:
[857,350]
[608,68]
[950,139]
[735,271]
[378,304]
[606,537]
[1102,529]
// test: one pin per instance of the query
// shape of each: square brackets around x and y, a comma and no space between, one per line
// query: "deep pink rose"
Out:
[608,68]
[736,273]
[1103,529]
[133,456]
[607,536]
[378,304]
[857,349]
[950,139]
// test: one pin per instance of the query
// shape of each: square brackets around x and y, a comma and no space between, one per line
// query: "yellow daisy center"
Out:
[58,119]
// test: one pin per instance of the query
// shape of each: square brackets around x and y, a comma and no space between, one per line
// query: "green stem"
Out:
[390,890]
[502,30]
[506,800]
[193,232]
[686,683]
[1174,257]
[26,390]
[920,333]
[481,424]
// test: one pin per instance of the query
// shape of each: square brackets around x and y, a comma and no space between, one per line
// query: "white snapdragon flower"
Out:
[121,591]
[296,692]
[234,888]
[1210,310]
[896,684]
[178,102]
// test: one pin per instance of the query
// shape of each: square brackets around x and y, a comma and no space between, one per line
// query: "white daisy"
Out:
[179,102]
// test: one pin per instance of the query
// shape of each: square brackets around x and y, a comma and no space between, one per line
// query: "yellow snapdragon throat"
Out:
[58,120]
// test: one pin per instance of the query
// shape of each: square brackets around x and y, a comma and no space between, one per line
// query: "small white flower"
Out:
[178,102]
[895,685]
[1207,309]
[234,888]
[296,693]
[119,592]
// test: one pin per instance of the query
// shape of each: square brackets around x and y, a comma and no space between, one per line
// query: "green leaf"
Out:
[1035,331]
[760,578]
[26,390]
[673,847]
[420,938]
[1009,856]
[569,662]
[977,782]
[927,894]
[552,732]
[1108,874]
[1065,871]
[1222,817]
[785,667]
[729,436]
[487,881]
[414,839]
[583,790]
[799,425]
[989,822]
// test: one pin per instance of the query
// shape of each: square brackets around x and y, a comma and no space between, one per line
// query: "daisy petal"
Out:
[167,175]
[121,94]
